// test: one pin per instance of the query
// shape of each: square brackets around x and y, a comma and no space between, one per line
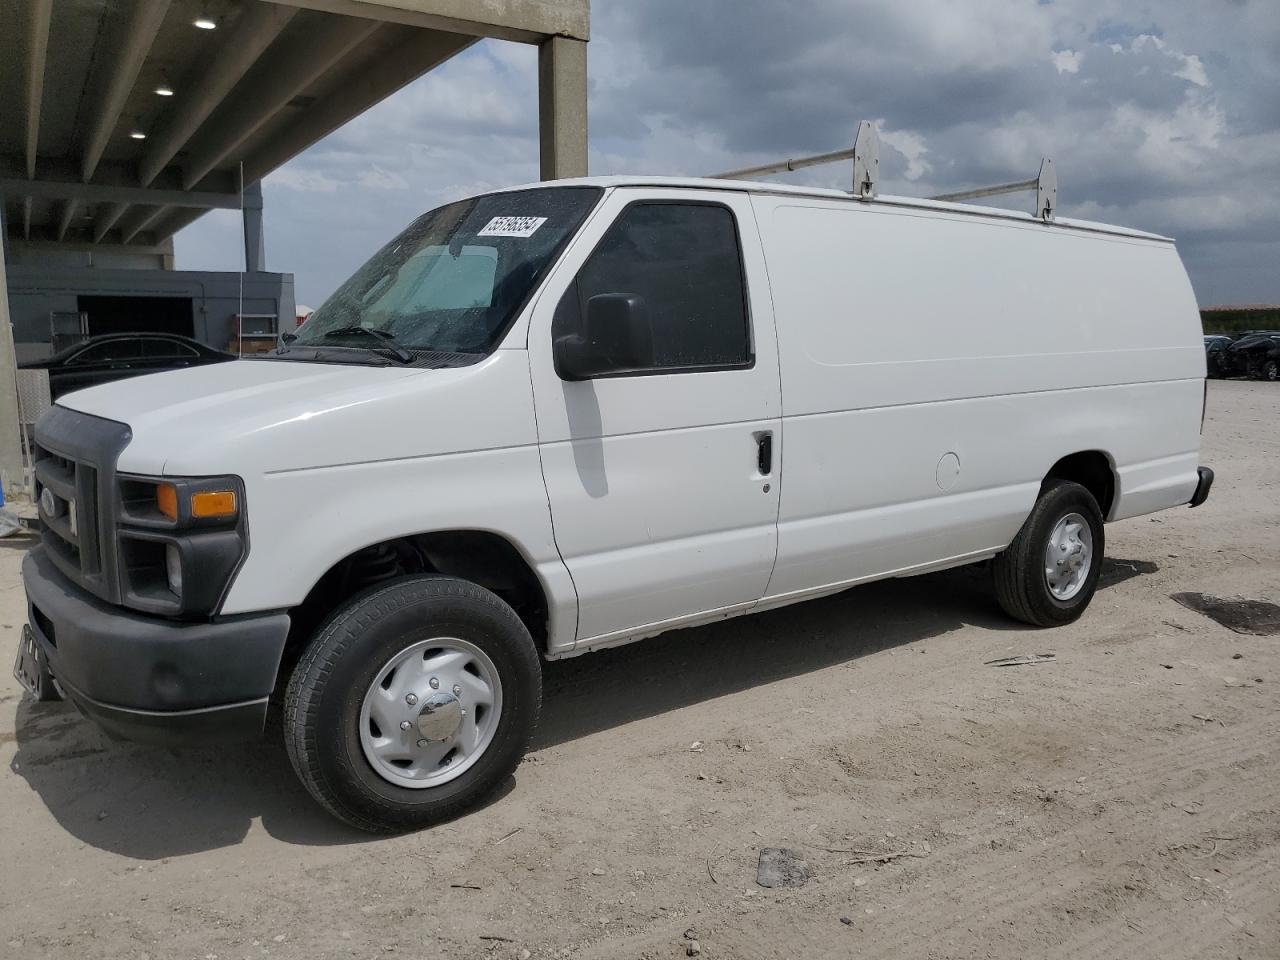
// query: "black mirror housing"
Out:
[617,338]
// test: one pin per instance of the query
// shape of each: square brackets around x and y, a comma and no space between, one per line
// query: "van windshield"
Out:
[453,281]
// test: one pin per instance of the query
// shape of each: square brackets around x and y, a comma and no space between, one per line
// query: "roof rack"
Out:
[865,154]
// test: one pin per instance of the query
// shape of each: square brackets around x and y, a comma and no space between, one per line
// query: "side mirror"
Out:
[616,338]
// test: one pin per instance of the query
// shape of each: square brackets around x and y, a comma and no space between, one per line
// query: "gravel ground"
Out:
[1119,801]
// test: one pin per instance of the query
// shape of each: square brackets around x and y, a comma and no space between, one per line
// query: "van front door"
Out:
[663,481]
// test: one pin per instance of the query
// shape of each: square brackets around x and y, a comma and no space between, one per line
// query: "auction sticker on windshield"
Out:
[512,227]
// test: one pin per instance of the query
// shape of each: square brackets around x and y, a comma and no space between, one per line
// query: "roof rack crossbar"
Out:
[1045,184]
[784,166]
[992,191]
[865,154]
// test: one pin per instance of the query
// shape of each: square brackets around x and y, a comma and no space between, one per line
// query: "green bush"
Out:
[1238,319]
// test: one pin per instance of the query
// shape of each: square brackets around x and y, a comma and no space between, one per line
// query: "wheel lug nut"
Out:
[422,743]
[435,683]
[405,724]
[411,698]
[457,690]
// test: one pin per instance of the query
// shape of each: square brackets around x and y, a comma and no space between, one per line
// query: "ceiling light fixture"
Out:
[205,22]
[137,135]
[164,90]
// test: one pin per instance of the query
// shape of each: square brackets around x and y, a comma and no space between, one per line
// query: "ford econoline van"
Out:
[557,418]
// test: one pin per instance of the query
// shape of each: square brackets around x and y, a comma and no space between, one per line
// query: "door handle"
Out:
[764,453]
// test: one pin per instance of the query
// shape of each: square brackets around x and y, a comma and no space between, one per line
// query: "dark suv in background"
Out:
[1256,354]
[120,355]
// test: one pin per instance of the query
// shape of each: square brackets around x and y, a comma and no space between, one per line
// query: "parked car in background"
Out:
[1218,363]
[1257,355]
[116,356]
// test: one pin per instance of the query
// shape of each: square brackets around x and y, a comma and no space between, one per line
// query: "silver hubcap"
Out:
[1068,556]
[431,712]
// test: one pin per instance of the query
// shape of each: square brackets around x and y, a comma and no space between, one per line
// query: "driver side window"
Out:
[683,262]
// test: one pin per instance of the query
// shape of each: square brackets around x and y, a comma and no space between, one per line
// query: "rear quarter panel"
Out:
[908,336]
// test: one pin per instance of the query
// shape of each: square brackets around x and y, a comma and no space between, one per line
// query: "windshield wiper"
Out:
[313,353]
[394,345]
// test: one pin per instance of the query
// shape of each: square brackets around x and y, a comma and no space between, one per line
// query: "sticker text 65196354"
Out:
[511,226]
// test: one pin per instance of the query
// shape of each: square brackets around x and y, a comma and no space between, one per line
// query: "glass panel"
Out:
[683,261]
[155,348]
[111,350]
[455,278]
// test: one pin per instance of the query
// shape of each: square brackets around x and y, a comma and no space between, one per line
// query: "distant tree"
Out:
[1259,316]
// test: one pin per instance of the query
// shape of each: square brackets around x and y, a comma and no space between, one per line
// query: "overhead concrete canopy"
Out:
[94,152]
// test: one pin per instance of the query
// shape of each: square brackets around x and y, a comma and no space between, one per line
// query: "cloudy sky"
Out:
[1163,116]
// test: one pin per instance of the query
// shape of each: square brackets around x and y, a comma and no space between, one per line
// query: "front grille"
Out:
[74,466]
[60,504]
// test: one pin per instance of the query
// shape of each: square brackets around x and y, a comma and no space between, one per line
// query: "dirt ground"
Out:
[1121,801]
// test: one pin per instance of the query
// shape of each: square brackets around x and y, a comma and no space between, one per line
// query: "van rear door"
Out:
[662,480]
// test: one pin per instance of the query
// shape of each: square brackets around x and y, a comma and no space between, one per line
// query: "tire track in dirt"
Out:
[1254,891]
[1051,868]
[1037,896]
[1209,756]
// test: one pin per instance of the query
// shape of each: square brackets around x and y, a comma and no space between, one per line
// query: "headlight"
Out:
[180,542]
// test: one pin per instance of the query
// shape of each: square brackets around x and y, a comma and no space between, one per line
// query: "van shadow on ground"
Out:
[148,803]
[606,689]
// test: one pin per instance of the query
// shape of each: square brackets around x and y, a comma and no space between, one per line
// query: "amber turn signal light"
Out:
[213,503]
[205,505]
[167,500]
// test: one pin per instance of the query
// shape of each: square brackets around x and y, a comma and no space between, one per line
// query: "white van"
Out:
[562,417]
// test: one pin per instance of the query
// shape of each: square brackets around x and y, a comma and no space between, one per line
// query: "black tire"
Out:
[1020,583]
[323,700]
[1271,371]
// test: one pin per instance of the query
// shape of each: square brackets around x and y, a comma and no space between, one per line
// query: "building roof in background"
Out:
[131,118]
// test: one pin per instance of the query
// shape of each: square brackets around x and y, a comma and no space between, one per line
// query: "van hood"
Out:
[263,416]
[183,394]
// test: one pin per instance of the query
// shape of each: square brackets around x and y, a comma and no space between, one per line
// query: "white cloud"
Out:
[1193,70]
[303,180]
[378,178]
[1066,61]
[911,146]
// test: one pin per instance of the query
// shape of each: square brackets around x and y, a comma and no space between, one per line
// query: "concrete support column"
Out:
[10,430]
[562,108]
[255,250]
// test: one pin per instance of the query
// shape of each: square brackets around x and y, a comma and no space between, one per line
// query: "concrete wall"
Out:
[36,291]
[12,477]
[70,257]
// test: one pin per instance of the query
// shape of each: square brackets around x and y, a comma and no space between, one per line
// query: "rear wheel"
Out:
[414,701]
[1049,573]
[1271,371]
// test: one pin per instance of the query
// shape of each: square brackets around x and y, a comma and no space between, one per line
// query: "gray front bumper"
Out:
[150,678]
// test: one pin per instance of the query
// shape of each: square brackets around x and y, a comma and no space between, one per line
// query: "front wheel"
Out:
[1049,573]
[1271,371]
[414,701]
